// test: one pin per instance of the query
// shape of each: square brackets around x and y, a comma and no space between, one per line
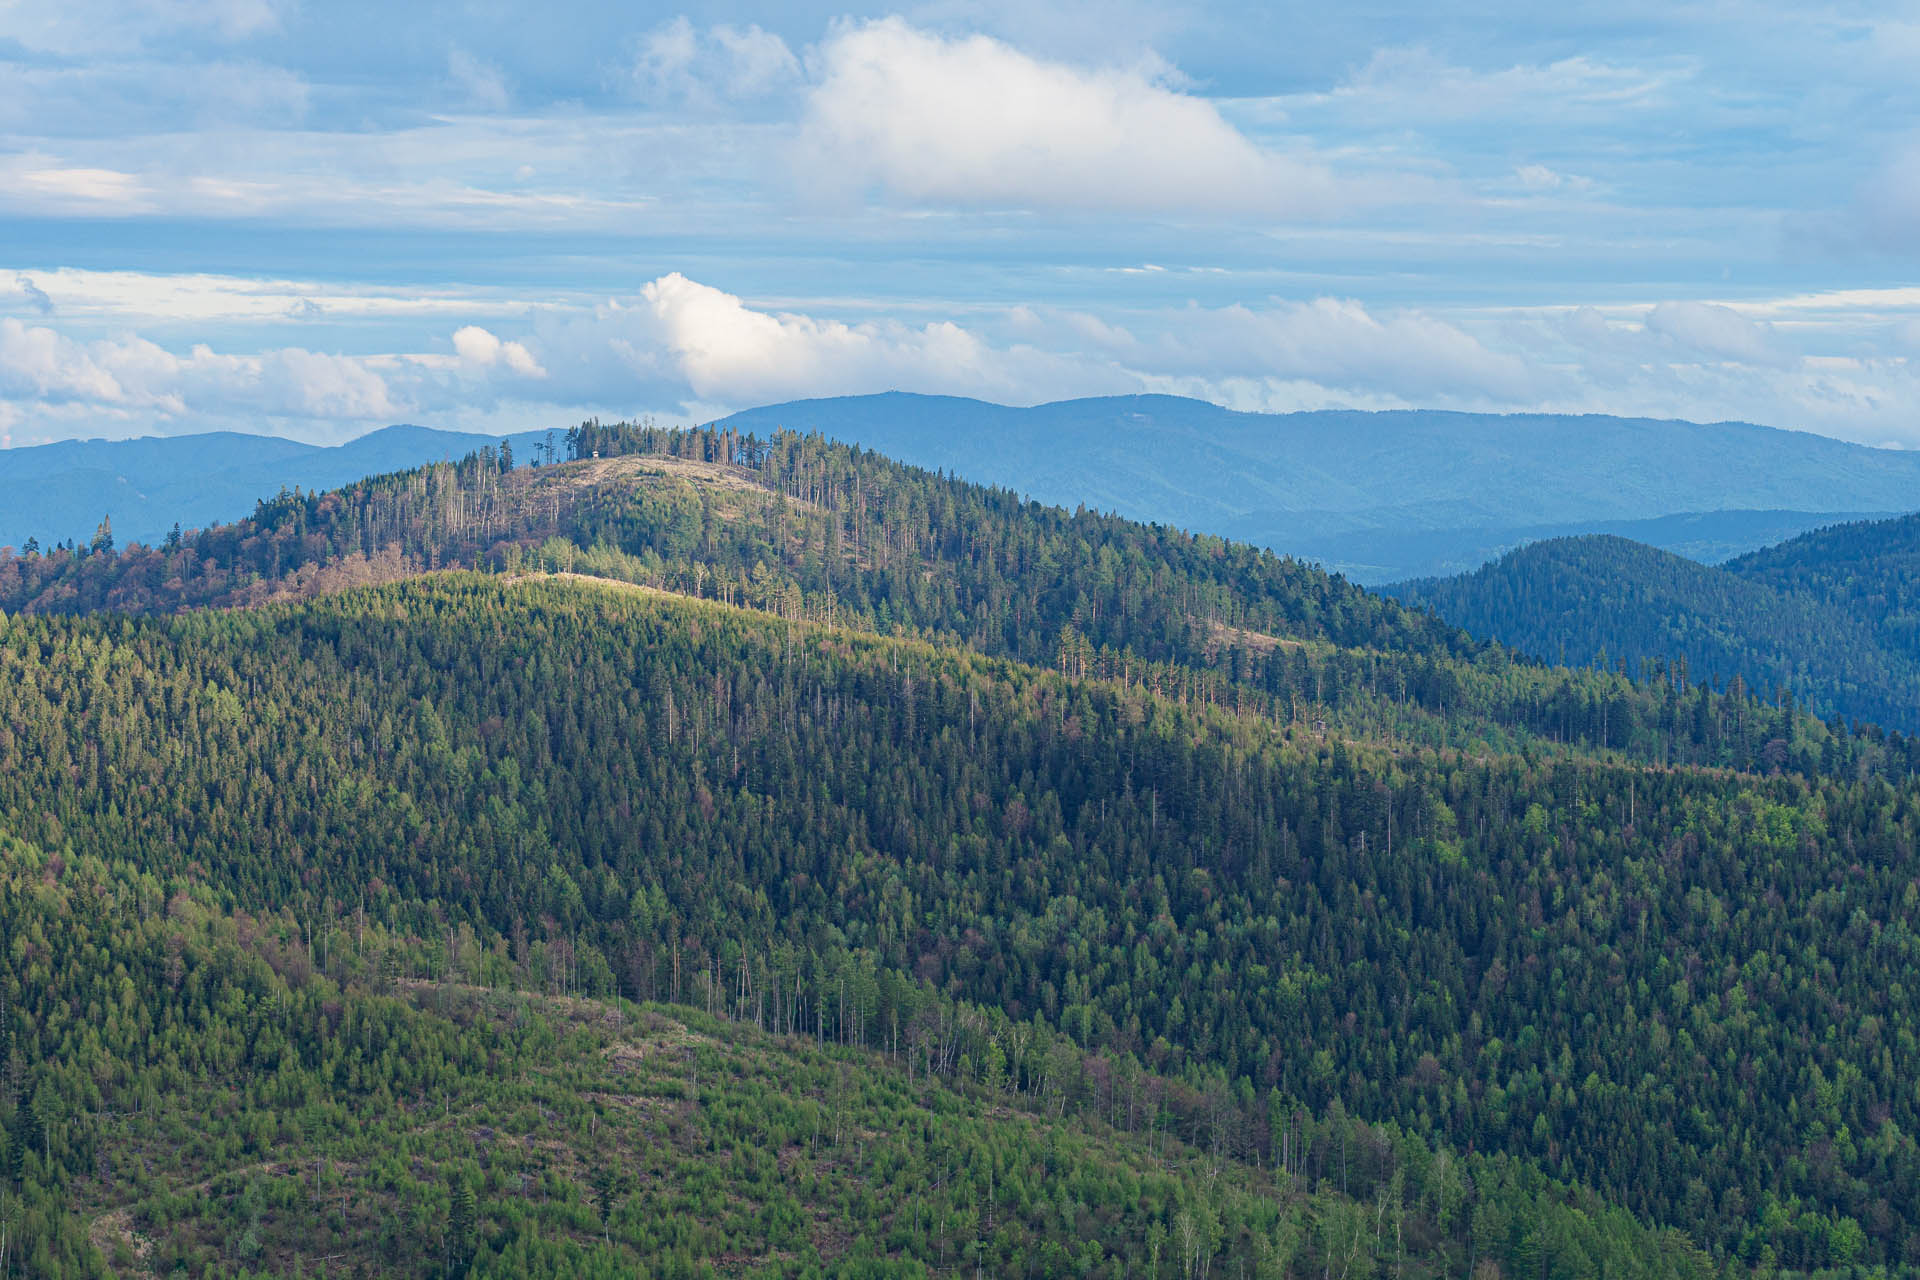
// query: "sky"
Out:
[314,219]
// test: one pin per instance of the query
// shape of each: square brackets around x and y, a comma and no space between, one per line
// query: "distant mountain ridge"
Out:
[1384,496]
[1833,615]
[62,490]
[1379,497]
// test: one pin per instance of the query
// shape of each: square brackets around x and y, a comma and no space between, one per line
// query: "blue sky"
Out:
[314,219]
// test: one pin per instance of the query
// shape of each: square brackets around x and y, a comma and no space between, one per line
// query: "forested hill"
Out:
[811,529]
[1833,615]
[1686,990]
[1871,567]
[299,1096]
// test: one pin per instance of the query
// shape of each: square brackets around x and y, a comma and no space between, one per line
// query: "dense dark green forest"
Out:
[1872,567]
[1833,615]
[806,528]
[194,1091]
[1682,988]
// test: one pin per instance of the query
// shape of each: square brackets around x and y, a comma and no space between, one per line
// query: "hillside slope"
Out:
[1684,988]
[579,1136]
[810,529]
[1379,496]
[1871,569]
[1833,615]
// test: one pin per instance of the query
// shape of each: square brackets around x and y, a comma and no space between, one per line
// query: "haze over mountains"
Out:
[1385,496]
[1378,496]
[57,491]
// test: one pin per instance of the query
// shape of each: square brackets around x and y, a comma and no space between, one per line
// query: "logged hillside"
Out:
[1685,989]
[813,530]
[1832,615]
[276,1095]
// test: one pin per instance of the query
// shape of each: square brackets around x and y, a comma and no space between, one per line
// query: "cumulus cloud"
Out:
[134,376]
[689,341]
[480,348]
[37,363]
[677,62]
[973,121]
[136,381]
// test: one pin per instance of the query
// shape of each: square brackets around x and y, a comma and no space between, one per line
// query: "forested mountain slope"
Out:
[1380,496]
[1833,615]
[310,1096]
[1687,989]
[1871,568]
[806,528]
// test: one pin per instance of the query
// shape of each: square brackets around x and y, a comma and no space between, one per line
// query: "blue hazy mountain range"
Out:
[1392,495]
[1379,496]
[57,491]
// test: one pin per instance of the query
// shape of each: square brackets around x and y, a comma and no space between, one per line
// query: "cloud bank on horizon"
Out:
[244,215]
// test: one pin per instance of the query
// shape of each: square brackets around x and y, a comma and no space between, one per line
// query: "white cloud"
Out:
[756,61]
[1718,332]
[43,186]
[663,63]
[1414,87]
[36,363]
[679,63]
[679,342]
[442,174]
[975,122]
[1340,343]
[289,383]
[480,348]
[198,301]
[133,376]
[691,341]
